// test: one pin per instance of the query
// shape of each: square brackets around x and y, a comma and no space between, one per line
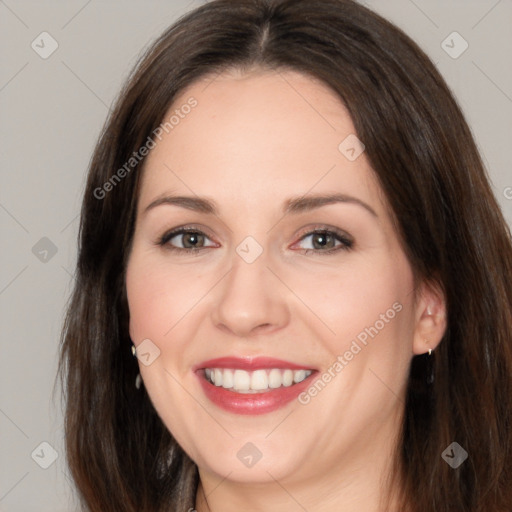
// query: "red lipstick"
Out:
[249,363]
[256,402]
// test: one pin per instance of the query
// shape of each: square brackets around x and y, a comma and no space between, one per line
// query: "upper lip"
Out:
[250,363]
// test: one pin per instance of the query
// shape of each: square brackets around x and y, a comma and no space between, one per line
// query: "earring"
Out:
[138,379]
[430,366]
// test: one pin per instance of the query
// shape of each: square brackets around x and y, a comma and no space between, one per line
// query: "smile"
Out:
[252,385]
[242,381]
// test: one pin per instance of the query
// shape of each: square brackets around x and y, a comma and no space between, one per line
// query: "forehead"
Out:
[258,134]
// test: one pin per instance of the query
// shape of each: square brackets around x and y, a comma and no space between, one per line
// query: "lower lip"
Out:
[252,403]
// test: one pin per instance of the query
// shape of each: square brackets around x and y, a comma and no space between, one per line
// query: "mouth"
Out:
[252,385]
[258,381]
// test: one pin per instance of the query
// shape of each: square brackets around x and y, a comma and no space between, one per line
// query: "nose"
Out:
[252,300]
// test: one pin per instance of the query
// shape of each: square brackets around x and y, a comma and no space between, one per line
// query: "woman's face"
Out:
[312,333]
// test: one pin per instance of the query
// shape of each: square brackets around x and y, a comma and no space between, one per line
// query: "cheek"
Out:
[369,307]
[378,325]
[363,299]
[159,296]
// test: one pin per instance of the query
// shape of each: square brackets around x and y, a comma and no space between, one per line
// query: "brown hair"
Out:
[121,455]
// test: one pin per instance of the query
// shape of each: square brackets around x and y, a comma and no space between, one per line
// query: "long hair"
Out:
[121,455]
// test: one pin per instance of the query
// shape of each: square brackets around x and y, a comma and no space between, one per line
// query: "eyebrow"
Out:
[291,206]
[306,203]
[197,204]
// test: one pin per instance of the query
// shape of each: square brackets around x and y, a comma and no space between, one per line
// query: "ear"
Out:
[430,317]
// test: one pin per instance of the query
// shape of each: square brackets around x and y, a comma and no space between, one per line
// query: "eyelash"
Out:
[345,245]
[346,242]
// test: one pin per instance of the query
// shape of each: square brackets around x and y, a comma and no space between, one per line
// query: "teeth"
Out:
[242,381]
[227,379]
[217,377]
[259,380]
[274,378]
[299,376]
[287,378]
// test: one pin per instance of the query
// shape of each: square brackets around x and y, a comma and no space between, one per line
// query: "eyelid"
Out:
[163,240]
[316,228]
[345,238]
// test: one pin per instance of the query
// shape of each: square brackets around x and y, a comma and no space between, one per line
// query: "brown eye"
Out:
[326,241]
[192,240]
[323,240]
[185,240]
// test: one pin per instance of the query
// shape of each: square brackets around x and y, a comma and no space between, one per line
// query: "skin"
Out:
[255,140]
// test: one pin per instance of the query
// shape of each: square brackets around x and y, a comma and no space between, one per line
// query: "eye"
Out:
[326,241]
[185,240]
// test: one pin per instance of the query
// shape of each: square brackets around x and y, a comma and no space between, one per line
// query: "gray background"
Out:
[52,111]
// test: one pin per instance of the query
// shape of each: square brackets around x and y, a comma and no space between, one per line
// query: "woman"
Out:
[287,222]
